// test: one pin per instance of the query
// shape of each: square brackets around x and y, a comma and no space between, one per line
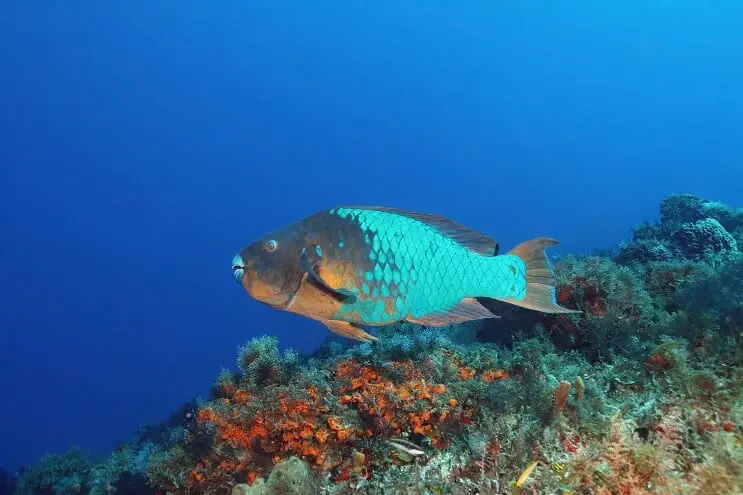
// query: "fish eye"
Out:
[271,246]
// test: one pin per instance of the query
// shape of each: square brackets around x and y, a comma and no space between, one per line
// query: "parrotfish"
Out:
[356,267]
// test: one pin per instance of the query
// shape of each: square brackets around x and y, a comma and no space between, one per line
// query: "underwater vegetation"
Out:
[639,393]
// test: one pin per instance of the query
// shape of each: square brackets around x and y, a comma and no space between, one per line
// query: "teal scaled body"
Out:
[416,270]
[375,266]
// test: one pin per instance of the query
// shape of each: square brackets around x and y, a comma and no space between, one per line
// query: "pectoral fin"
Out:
[467,310]
[347,329]
[309,267]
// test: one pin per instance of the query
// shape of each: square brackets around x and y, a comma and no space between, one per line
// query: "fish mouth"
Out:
[238,268]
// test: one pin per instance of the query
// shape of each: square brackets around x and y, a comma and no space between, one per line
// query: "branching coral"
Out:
[622,464]
[618,312]
[663,279]
[58,474]
[260,362]
[714,289]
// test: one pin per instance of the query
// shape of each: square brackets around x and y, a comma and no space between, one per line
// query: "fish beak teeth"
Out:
[238,268]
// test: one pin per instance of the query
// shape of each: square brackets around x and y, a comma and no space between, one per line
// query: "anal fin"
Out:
[468,309]
[348,329]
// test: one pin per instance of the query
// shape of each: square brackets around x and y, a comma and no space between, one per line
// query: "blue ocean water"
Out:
[143,143]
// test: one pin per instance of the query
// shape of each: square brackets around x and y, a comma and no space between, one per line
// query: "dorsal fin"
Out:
[471,239]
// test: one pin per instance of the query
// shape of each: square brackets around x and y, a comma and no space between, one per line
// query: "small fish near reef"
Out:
[373,266]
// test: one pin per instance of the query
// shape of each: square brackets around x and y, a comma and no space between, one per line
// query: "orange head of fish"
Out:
[269,269]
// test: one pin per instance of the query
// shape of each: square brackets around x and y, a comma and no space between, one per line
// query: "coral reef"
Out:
[640,393]
[690,227]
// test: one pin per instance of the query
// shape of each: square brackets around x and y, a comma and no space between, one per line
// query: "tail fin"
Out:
[540,278]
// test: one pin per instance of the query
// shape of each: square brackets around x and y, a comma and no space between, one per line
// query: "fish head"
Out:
[269,269]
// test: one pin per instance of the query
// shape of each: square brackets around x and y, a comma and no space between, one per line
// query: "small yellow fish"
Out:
[517,485]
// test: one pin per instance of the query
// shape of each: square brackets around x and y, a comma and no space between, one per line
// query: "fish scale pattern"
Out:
[416,270]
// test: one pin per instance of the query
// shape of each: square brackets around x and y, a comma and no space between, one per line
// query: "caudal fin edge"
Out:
[540,278]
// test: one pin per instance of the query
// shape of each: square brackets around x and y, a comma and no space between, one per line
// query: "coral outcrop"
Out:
[690,228]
